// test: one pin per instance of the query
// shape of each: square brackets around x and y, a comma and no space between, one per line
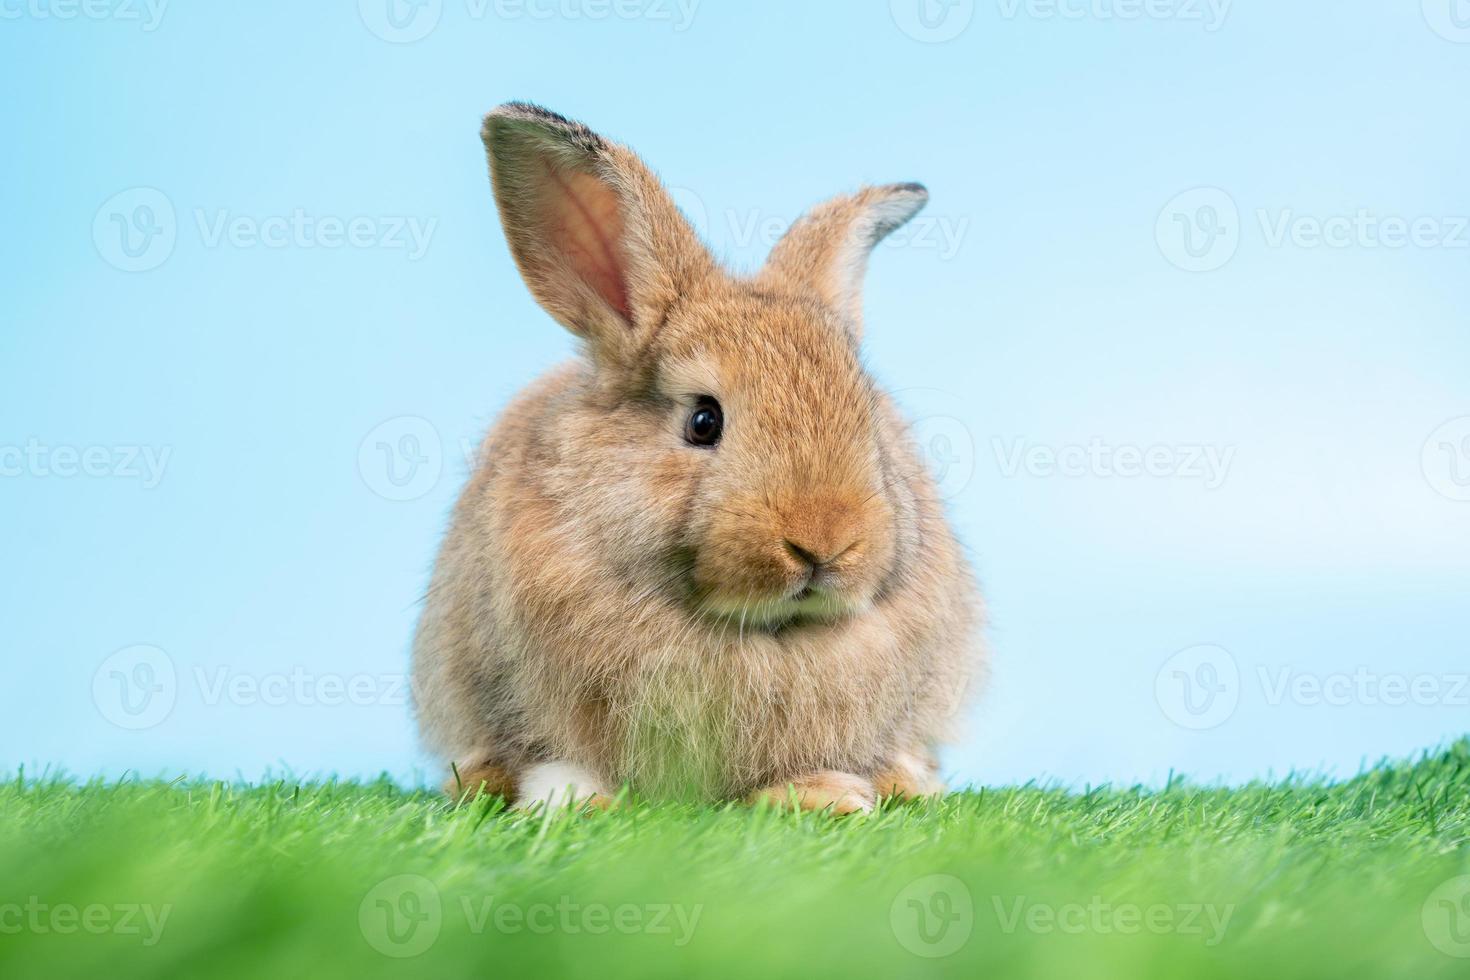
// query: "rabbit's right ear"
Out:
[597,239]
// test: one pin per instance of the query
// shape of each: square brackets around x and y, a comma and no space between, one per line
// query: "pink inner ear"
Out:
[587,227]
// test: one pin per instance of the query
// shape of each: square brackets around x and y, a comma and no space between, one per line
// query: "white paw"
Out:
[555,784]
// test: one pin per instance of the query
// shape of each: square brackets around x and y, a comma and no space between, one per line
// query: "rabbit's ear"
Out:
[597,239]
[827,250]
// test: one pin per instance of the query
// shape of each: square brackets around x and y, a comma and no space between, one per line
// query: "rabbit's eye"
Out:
[706,423]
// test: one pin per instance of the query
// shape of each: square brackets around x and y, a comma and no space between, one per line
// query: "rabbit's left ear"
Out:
[597,238]
[827,250]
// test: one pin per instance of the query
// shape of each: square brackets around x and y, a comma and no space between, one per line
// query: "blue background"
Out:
[1053,143]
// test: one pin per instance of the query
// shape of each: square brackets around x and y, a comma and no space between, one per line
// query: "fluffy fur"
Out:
[614,602]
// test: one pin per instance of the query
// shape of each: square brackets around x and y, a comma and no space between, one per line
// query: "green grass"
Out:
[1303,878]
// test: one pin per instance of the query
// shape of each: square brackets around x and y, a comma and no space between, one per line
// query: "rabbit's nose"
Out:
[815,556]
[817,530]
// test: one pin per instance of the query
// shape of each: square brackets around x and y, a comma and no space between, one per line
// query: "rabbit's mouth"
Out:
[808,606]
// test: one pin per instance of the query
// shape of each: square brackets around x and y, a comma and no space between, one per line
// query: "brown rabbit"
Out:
[705,559]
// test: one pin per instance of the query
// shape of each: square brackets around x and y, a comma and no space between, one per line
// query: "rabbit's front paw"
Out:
[474,776]
[907,778]
[837,792]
